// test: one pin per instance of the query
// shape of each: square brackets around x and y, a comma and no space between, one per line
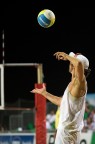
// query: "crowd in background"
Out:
[89,118]
[52,118]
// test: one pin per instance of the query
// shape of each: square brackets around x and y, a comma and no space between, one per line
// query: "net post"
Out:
[40,106]
[40,117]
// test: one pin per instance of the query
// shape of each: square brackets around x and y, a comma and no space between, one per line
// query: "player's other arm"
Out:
[52,98]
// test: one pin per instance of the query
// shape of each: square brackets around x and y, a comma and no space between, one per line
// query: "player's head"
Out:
[84,61]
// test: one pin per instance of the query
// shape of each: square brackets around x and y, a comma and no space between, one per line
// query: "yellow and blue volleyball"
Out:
[46,18]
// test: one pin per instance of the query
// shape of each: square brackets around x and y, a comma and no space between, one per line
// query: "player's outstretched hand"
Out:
[39,90]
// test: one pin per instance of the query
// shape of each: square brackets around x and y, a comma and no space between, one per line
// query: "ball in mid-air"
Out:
[46,18]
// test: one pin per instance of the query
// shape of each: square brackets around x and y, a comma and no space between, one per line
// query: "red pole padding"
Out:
[40,117]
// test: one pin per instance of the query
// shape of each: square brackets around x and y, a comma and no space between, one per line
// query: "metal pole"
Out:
[40,74]
[3,46]
[2,86]
[21,64]
[2,70]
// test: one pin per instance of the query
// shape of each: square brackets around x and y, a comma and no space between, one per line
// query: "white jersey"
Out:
[71,119]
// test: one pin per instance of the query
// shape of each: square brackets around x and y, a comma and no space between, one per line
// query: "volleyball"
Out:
[46,18]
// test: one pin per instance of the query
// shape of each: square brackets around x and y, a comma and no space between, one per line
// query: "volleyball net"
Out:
[19,116]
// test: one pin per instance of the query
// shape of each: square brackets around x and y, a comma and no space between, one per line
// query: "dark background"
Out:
[27,42]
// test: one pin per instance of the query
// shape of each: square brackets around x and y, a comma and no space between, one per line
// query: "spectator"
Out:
[50,120]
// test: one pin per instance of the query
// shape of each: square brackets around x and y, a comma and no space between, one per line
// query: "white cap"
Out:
[82,58]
